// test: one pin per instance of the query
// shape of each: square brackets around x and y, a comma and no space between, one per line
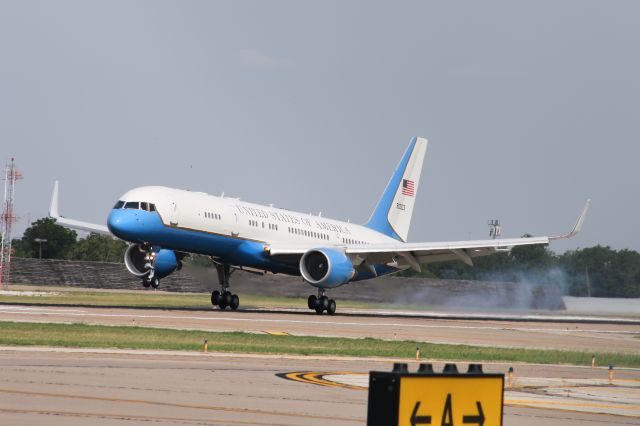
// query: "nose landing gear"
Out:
[151,282]
[321,303]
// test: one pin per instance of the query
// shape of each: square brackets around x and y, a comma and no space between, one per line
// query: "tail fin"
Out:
[392,215]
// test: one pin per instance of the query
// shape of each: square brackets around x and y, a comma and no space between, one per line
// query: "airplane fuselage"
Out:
[232,231]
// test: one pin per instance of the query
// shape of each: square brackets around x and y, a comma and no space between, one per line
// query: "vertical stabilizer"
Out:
[392,215]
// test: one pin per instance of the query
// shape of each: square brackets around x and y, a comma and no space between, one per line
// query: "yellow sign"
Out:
[458,400]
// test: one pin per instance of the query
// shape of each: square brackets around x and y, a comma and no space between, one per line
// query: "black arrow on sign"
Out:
[419,420]
[479,419]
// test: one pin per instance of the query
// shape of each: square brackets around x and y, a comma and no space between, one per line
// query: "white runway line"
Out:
[80,313]
[35,309]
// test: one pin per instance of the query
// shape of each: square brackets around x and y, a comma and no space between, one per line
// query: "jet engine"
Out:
[143,263]
[326,268]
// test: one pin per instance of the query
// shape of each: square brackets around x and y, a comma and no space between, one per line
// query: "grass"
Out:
[150,299]
[126,337]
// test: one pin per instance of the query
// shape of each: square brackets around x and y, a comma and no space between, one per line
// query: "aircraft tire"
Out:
[324,302]
[331,309]
[155,283]
[311,301]
[145,283]
[319,309]
[235,302]
[225,300]
[215,297]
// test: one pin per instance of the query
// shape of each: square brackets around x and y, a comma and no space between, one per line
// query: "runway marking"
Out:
[322,323]
[277,333]
[317,378]
[531,402]
[13,308]
[324,379]
[133,417]
[179,405]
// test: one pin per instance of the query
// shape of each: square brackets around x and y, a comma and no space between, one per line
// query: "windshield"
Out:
[135,205]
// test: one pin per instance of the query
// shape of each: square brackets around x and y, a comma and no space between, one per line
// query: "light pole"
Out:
[40,241]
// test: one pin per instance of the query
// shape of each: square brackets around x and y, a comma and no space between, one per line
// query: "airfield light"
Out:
[40,241]
[494,228]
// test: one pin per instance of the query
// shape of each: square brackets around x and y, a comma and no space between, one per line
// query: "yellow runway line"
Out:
[277,333]
[530,402]
[178,405]
[317,378]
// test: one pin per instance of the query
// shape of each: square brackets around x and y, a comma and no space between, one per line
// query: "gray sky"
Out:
[530,108]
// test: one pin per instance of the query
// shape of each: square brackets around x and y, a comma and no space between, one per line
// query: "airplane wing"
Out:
[71,223]
[411,255]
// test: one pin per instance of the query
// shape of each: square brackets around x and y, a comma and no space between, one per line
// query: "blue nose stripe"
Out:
[125,224]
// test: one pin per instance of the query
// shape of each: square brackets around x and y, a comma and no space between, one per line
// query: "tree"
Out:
[610,273]
[59,240]
[102,248]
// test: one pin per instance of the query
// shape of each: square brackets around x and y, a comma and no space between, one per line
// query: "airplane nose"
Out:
[124,223]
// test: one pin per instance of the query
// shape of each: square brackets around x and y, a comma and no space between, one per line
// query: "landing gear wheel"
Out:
[215,298]
[155,282]
[324,303]
[312,301]
[145,283]
[331,309]
[235,302]
[222,303]
[225,300]
[319,309]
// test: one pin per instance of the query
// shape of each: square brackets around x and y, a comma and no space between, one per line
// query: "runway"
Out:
[600,337]
[108,387]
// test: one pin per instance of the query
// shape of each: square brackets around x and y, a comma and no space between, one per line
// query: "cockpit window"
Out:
[136,205]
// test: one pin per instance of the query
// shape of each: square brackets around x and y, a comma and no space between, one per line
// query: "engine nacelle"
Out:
[165,262]
[137,260]
[326,268]
[141,262]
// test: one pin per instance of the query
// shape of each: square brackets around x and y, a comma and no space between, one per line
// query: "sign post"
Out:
[444,399]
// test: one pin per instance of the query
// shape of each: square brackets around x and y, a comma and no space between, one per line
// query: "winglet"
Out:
[53,207]
[578,226]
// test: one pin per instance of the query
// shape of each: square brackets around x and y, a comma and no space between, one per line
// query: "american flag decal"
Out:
[408,188]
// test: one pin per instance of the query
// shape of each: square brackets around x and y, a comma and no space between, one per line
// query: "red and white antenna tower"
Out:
[8,218]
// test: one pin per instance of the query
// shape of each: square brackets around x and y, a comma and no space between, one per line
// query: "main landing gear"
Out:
[224,299]
[321,303]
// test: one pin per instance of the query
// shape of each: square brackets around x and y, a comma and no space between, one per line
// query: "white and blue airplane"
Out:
[162,225]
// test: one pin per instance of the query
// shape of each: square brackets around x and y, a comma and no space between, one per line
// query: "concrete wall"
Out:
[450,294]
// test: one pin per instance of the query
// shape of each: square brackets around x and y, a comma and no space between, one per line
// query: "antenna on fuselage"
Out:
[222,195]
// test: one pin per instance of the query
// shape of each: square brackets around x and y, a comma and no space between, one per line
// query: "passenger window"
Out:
[132,205]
